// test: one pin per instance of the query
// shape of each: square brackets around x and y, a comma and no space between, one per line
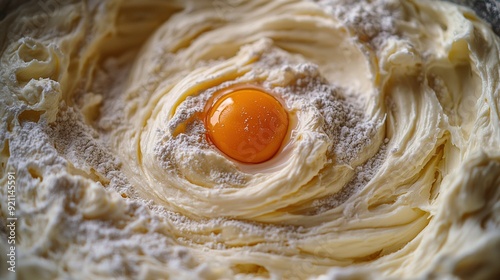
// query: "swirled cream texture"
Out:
[390,168]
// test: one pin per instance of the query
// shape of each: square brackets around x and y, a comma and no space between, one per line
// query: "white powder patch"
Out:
[363,175]
[81,146]
[119,242]
[372,21]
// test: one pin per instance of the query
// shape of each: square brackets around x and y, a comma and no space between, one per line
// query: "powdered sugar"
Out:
[372,21]
[81,146]
[363,174]
[343,122]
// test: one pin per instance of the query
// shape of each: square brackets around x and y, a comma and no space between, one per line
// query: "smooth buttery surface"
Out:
[391,169]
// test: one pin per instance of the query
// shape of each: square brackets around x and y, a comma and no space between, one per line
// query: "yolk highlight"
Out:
[248,125]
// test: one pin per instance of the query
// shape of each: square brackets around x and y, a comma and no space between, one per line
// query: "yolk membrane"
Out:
[247,124]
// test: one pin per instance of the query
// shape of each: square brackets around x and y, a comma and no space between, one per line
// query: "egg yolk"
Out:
[248,125]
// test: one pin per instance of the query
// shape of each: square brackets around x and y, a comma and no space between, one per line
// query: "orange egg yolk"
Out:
[248,125]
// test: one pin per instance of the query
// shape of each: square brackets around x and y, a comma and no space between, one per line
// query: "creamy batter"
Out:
[390,170]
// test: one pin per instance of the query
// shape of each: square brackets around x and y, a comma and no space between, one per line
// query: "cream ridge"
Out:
[390,168]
